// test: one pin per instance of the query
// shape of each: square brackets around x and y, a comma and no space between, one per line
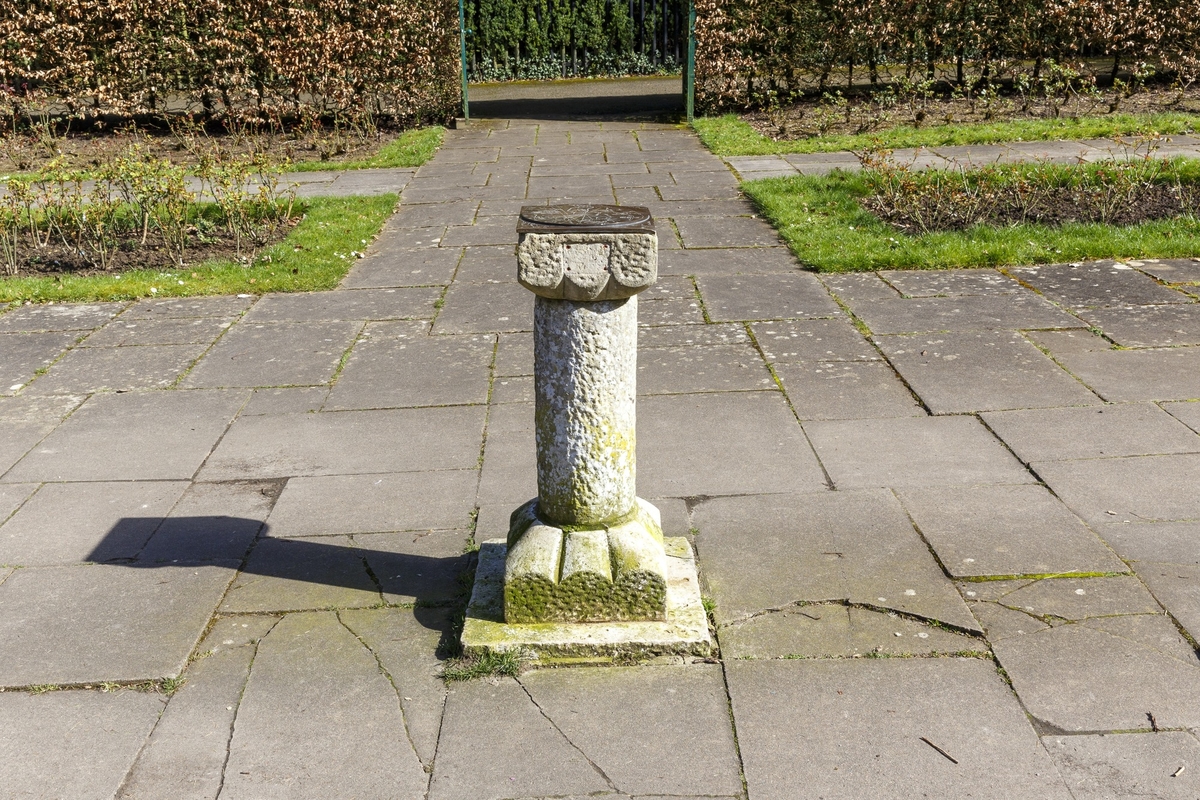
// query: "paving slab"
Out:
[187,307]
[1187,413]
[23,354]
[185,755]
[497,744]
[1113,431]
[1130,376]
[396,268]
[772,551]
[126,331]
[725,261]
[950,283]
[846,390]
[302,575]
[955,373]
[832,630]
[72,744]
[1102,766]
[393,373]
[1171,542]
[291,400]
[406,643]
[960,313]
[360,304]
[212,522]
[751,444]
[1079,679]
[1177,587]
[486,308]
[58,317]
[92,624]
[26,421]
[274,354]
[1096,284]
[1005,530]
[1173,270]
[887,716]
[813,340]
[133,436]
[1000,622]
[1149,326]
[461,212]
[1082,598]
[425,568]
[913,451]
[518,389]
[68,523]
[117,369]
[726,231]
[348,443]
[676,737]
[319,720]
[686,336]
[514,354]
[1137,489]
[404,501]
[12,496]
[792,296]
[713,368]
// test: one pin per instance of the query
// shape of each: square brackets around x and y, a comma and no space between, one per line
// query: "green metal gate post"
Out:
[689,77]
[462,40]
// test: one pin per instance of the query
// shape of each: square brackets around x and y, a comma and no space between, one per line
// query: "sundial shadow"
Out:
[431,583]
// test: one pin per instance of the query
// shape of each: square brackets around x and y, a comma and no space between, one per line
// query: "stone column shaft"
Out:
[585,377]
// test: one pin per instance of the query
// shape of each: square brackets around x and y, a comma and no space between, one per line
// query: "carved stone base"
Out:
[684,632]
[609,574]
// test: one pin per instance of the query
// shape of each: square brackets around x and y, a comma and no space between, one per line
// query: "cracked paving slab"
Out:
[771,551]
[869,728]
[1104,657]
[185,756]
[319,720]
[1104,766]
[833,630]
[550,734]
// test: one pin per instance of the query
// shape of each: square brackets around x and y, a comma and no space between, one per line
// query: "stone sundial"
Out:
[585,569]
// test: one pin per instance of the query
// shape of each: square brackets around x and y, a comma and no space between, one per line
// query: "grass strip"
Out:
[410,149]
[729,135]
[315,255]
[822,222]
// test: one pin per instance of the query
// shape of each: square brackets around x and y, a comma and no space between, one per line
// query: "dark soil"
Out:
[1004,206]
[880,111]
[58,259]
[88,148]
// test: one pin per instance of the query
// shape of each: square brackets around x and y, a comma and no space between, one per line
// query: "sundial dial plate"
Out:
[579,218]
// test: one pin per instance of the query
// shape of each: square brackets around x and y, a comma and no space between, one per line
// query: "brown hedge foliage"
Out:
[251,60]
[756,52]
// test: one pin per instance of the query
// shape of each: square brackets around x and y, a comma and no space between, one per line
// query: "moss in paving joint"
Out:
[1040,576]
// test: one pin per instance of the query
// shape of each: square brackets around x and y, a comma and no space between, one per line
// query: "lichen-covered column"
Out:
[587,549]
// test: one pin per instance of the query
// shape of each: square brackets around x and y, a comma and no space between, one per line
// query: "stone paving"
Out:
[949,521]
[976,155]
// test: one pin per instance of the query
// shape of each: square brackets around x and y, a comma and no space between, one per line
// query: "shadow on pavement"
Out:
[434,582]
[656,107]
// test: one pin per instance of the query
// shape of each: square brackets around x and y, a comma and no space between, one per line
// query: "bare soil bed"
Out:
[1013,205]
[90,147]
[881,111]
[59,260]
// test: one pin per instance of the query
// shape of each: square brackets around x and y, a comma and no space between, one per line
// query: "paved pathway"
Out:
[882,475]
[951,157]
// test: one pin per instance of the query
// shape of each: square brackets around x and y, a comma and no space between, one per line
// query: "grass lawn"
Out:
[821,220]
[315,255]
[411,149]
[730,136]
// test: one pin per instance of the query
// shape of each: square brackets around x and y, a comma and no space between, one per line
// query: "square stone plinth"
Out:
[685,631]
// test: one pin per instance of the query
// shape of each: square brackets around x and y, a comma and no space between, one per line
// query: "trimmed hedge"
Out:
[758,52]
[250,60]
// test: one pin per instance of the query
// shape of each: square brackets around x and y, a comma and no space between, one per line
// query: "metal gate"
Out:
[668,25]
